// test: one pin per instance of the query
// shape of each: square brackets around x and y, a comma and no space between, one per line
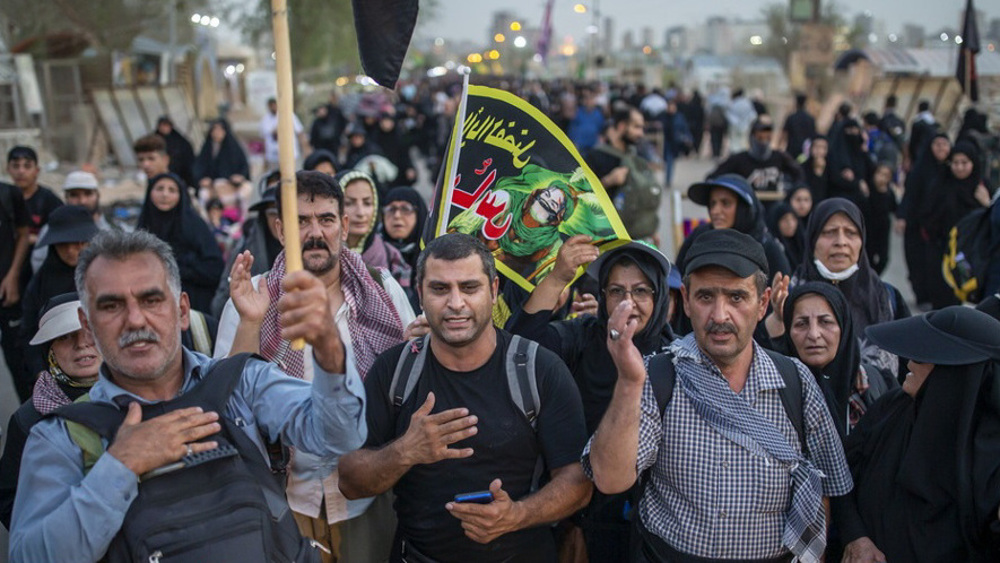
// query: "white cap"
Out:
[57,321]
[80,180]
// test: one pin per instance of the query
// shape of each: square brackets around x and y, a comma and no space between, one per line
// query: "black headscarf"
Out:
[649,337]
[410,246]
[948,198]
[835,379]
[794,245]
[927,469]
[865,292]
[197,252]
[228,161]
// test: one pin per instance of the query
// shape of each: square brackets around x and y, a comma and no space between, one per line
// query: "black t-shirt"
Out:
[800,127]
[505,447]
[762,175]
[40,205]
[601,162]
[13,215]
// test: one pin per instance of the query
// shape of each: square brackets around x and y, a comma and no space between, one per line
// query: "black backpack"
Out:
[967,255]
[221,505]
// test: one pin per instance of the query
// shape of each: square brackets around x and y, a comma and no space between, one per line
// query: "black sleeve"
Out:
[725,167]
[34,356]
[601,163]
[10,466]
[201,263]
[845,516]
[561,337]
[902,310]
[380,415]
[792,169]
[776,259]
[20,211]
[562,431]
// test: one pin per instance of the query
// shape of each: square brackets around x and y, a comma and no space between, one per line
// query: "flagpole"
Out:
[456,145]
[286,142]
[968,73]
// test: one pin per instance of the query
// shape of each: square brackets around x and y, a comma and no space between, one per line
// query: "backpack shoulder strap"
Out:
[408,370]
[521,378]
[87,440]
[199,333]
[791,395]
[220,381]
[661,374]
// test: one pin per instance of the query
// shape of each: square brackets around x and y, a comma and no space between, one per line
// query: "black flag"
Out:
[966,72]
[384,29]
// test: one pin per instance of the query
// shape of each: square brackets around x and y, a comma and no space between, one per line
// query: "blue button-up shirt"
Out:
[62,515]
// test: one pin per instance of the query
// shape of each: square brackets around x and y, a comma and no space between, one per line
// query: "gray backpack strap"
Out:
[521,377]
[408,370]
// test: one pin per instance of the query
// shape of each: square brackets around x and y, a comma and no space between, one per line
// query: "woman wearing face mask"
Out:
[72,366]
[167,213]
[851,168]
[819,331]
[360,207]
[913,208]
[926,457]
[835,254]
[404,214]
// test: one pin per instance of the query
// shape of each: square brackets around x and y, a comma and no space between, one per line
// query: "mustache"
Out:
[143,335]
[315,244]
[720,328]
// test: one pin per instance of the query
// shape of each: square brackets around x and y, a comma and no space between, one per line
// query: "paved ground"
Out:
[686,173]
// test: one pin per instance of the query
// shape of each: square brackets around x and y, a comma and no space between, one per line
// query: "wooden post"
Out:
[286,142]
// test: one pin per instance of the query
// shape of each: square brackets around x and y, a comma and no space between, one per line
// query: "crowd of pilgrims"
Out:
[827,244]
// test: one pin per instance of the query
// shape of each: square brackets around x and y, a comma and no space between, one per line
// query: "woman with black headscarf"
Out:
[851,167]
[635,271]
[168,214]
[786,227]
[819,331]
[956,192]
[835,254]
[732,204]
[926,458]
[221,156]
[178,148]
[912,211]
[816,168]
[404,215]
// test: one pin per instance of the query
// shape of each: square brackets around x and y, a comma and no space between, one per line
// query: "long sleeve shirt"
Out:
[60,514]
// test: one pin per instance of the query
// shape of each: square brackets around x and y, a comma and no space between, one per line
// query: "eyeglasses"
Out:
[403,208]
[639,294]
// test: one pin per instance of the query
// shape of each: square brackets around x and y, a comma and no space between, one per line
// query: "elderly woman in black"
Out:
[835,255]
[637,272]
[926,458]
[819,331]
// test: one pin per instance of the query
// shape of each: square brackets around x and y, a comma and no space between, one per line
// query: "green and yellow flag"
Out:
[514,180]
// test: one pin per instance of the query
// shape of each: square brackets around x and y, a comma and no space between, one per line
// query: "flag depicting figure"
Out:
[520,186]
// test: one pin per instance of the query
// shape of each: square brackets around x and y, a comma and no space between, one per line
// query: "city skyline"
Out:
[459,20]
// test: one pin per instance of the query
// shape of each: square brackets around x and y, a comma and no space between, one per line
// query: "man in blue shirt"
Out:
[129,285]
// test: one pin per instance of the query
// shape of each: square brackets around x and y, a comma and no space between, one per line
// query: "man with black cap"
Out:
[766,169]
[70,229]
[724,469]
[925,457]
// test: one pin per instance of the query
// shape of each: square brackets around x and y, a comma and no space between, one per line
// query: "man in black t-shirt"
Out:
[22,165]
[459,431]
[799,128]
[14,245]
[766,170]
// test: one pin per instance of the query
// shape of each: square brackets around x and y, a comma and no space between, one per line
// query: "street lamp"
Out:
[520,42]
[499,38]
[580,9]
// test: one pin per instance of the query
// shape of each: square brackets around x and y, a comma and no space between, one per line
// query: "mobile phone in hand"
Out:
[478,497]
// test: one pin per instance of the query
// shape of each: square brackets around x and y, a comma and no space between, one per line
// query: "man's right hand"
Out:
[862,550]
[626,356]
[575,252]
[250,303]
[10,292]
[616,177]
[427,439]
[144,446]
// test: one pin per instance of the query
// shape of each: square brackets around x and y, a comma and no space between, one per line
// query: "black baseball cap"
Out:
[22,151]
[953,336]
[700,192]
[735,251]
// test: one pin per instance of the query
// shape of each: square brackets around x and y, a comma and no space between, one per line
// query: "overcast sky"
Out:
[470,19]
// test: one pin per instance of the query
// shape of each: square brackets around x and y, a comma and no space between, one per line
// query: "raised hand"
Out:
[250,303]
[575,252]
[626,356]
[305,313]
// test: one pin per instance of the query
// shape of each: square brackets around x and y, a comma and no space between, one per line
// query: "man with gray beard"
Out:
[129,286]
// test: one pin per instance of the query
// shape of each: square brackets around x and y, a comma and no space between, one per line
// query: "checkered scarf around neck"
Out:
[372,320]
[733,418]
